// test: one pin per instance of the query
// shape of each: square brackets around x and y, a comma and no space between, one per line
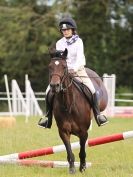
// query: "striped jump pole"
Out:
[75,145]
[41,163]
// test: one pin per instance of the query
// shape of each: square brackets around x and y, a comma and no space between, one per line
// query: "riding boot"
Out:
[47,123]
[100,119]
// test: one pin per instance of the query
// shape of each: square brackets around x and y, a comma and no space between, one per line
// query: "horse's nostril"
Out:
[51,85]
[57,85]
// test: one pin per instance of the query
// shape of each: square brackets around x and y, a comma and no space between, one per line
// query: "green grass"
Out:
[109,160]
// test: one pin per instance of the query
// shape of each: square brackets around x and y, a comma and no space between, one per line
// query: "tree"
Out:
[28,29]
[25,38]
[107,48]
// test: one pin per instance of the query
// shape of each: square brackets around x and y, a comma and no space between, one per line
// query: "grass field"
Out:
[109,160]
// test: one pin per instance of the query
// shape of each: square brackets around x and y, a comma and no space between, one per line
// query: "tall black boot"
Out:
[100,119]
[47,123]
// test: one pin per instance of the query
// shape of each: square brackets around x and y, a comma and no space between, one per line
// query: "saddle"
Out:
[83,89]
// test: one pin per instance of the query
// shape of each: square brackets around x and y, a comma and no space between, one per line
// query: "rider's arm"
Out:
[80,58]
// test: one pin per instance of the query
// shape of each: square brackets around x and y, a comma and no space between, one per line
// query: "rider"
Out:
[75,62]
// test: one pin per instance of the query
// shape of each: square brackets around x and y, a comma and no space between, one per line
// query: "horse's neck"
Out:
[66,96]
[70,99]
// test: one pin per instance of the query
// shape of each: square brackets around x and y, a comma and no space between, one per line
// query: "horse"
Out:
[71,109]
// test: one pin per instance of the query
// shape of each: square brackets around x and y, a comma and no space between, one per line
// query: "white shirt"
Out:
[75,57]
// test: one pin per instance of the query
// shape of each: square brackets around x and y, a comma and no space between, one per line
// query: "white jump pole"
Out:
[41,163]
[8,95]
[76,145]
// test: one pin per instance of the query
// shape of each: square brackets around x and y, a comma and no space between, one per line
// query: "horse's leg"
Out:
[82,153]
[70,156]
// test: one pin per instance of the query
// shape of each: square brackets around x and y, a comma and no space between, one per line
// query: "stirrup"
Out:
[43,123]
[102,120]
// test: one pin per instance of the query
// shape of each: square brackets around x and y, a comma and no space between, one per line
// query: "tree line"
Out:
[29,28]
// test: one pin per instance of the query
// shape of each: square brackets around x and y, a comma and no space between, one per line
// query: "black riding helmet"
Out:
[67,23]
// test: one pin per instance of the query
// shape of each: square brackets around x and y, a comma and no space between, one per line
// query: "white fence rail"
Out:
[21,103]
[26,103]
[31,102]
[112,109]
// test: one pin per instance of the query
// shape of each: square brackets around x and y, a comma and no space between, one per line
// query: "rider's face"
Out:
[67,32]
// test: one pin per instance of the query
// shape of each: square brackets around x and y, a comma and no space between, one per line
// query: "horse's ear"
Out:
[65,53]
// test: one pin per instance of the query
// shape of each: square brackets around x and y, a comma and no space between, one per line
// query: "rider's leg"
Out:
[46,123]
[100,119]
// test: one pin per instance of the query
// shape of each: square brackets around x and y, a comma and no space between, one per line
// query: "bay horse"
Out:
[71,110]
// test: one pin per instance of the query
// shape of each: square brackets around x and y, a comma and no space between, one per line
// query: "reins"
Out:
[66,88]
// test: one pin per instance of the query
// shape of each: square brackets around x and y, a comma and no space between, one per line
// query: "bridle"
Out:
[62,79]
[63,88]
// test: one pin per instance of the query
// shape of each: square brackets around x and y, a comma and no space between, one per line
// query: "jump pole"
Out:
[41,163]
[75,145]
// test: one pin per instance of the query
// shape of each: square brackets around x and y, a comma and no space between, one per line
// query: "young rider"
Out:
[75,62]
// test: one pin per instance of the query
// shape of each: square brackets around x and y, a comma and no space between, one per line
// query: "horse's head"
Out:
[57,69]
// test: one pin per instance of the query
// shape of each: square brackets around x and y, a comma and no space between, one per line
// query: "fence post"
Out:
[18,101]
[31,101]
[109,82]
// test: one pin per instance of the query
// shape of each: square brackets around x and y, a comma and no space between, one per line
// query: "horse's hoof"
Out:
[72,170]
[82,168]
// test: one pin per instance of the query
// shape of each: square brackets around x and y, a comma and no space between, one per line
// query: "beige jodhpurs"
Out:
[84,78]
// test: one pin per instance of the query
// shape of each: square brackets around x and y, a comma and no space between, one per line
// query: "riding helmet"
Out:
[67,23]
